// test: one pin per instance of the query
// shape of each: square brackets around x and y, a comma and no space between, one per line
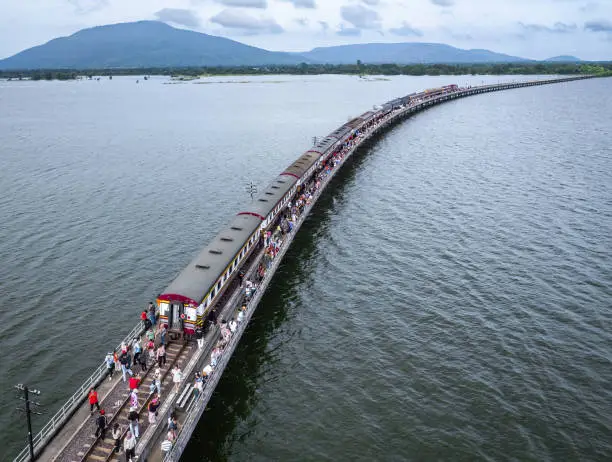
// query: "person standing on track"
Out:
[93,400]
[101,423]
[110,365]
[133,420]
[157,378]
[117,430]
[134,382]
[199,337]
[137,347]
[152,316]
[129,444]
[125,361]
[153,406]
[161,355]
[177,378]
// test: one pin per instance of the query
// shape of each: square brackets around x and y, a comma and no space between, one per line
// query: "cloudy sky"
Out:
[528,28]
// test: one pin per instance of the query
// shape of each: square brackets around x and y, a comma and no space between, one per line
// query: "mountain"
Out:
[156,44]
[142,44]
[563,59]
[404,53]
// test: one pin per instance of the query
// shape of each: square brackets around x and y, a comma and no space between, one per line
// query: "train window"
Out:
[269,193]
[263,200]
[219,285]
[215,251]
[280,181]
[236,228]
[227,239]
[202,267]
[212,295]
[275,187]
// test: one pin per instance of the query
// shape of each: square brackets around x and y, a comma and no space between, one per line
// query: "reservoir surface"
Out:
[450,297]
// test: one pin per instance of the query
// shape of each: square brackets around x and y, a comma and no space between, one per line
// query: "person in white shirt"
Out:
[129,444]
[214,356]
[177,377]
[241,315]
[233,326]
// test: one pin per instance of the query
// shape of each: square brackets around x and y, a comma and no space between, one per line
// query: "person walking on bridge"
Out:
[125,361]
[101,423]
[161,355]
[153,407]
[110,365]
[177,378]
[93,400]
[137,347]
[199,337]
[133,420]
[117,430]
[129,444]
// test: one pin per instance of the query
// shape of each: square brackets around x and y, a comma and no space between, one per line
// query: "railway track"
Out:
[101,450]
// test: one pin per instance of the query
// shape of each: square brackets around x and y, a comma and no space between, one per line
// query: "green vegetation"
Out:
[359,68]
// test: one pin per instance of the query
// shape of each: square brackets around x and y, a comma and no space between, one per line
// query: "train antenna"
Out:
[251,188]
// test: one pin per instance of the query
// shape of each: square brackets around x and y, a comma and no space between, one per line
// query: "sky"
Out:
[536,29]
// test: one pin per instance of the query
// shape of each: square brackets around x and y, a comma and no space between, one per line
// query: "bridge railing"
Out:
[63,414]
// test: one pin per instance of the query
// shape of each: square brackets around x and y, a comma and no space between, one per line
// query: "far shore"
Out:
[366,71]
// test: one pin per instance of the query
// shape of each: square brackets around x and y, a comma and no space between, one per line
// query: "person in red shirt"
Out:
[134,382]
[93,400]
[143,315]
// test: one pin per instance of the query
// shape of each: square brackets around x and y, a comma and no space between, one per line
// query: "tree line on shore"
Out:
[359,68]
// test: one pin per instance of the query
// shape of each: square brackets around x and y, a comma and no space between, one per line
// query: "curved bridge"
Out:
[250,250]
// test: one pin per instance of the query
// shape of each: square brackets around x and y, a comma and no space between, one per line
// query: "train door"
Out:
[174,316]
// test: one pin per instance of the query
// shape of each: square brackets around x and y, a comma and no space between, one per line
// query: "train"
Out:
[186,302]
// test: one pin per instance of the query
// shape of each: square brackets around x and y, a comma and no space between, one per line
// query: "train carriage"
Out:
[186,301]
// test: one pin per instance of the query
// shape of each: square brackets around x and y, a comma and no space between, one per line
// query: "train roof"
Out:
[194,282]
[302,164]
[325,144]
[265,202]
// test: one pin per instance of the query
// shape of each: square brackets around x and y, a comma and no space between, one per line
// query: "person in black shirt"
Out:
[199,333]
[101,423]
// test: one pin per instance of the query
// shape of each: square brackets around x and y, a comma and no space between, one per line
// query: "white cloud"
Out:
[245,3]
[360,16]
[244,22]
[179,16]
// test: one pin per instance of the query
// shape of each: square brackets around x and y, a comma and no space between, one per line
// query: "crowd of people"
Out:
[134,360]
[150,350]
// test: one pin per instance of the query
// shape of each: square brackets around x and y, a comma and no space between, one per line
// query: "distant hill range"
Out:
[405,53]
[141,44]
[147,44]
[563,59]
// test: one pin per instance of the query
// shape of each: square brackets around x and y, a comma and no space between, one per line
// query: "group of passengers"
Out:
[145,351]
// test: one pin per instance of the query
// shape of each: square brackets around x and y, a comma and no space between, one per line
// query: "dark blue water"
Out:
[449,300]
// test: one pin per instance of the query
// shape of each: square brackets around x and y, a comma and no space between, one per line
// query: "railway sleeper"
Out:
[102,450]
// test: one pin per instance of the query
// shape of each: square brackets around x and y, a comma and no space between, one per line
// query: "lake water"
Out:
[449,299]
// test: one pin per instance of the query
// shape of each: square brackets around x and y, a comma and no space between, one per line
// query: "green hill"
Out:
[142,44]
